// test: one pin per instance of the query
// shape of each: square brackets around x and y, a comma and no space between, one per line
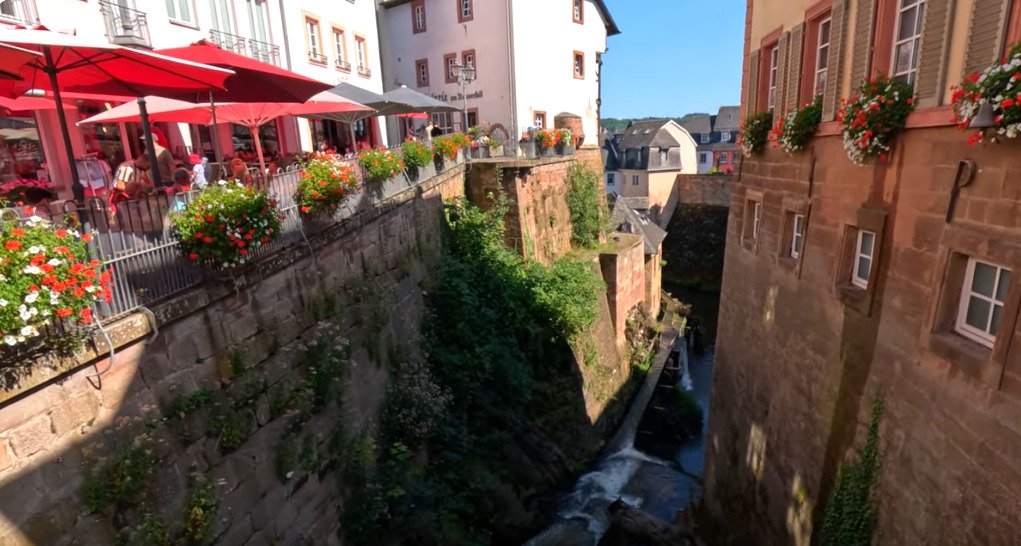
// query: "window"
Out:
[578,11]
[418,16]
[752,219]
[702,158]
[725,136]
[1013,26]
[797,235]
[908,39]
[982,299]
[610,179]
[579,65]
[180,11]
[540,120]
[441,120]
[774,59]
[822,55]
[664,156]
[704,138]
[465,11]
[634,180]
[340,48]
[257,20]
[473,118]
[313,41]
[723,158]
[468,58]
[222,12]
[450,61]
[863,255]
[422,70]
[363,56]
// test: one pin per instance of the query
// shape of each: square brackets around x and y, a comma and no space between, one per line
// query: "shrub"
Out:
[999,86]
[416,154]
[46,274]
[793,131]
[223,226]
[871,119]
[567,295]
[445,148]
[380,164]
[589,218]
[754,133]
[325,182]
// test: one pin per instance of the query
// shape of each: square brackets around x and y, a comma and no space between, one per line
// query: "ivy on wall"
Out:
[851,513]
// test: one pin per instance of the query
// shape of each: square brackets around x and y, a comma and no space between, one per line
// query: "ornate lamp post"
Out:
[465,75]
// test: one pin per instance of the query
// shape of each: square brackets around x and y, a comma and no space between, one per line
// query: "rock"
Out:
[631,525]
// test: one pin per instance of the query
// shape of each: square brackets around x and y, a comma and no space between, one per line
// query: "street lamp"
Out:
[465,75]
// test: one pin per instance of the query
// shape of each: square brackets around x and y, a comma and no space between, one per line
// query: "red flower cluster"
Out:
[325,182]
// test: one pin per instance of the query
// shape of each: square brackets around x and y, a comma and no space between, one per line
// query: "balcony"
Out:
[343,65]
[263,51]
[125,26]
[317,58]
[364,71]
[228,41]
[21,12]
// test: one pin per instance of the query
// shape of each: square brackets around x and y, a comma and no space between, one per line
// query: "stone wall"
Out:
[230,340]
[654,280]
[800,355]
[705,189]
[622,261]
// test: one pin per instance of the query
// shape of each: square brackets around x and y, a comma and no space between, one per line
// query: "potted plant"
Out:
[794,130]
[461,140]
[527,145]
[997,89]
[325,182]
[754,133]
[545,140]
[225,224]
[380,164]
[565,142]
[872,118]
[47,275]
[417,158]
[444,149]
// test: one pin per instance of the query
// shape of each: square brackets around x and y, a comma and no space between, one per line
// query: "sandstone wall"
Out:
[623,267]
[705,189]
[246,344]
[800,357]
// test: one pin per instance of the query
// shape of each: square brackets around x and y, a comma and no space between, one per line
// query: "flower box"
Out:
[528,149]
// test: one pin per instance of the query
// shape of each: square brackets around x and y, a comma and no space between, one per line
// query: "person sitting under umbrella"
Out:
[132,180]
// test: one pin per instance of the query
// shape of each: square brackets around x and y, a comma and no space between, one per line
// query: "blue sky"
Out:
[673,57]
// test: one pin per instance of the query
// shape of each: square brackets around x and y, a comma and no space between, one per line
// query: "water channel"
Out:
[659,486]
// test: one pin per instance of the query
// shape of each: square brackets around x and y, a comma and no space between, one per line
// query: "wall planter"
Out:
[564,149]
[479,152]
[755,133]
[324,184]
[870,120]
[421,173]
[528,149]
[795,129]
[996,92]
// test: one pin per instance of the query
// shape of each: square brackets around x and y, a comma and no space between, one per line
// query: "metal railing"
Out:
[364,71]
[343,65]
[19,12]
[135,240]
[264,51]
[125,26]
[317,57]
[228,41]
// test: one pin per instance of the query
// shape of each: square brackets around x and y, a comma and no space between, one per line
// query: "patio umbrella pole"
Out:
[214,132]
[258,148]
[51,71]
[143,114]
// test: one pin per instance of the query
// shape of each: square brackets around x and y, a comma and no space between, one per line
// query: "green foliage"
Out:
[444,147]
[228,426]
[416,154]
[615,125]
[793,131]
[199,512]
[326,365]
[870,120]
[154,531]
[566,295]
[415,404]
[851,512]
[122,480]
[589,219]
[755,132]
[326,180]
[225,223]
[380,164]
[184,405]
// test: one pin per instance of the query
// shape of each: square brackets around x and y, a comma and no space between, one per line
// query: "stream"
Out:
[659,486]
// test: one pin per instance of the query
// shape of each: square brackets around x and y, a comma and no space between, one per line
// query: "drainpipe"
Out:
[283,26]
[512,75]
[599,96]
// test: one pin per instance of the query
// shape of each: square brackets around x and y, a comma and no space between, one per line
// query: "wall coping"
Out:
[48,367]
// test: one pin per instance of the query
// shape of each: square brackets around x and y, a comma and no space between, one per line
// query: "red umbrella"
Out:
[12,59]
[86,65]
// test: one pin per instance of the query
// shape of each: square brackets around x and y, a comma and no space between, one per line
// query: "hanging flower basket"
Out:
[225,224]
[872,119]
[325,182]
[45,275]
[754,133]
[793,131]
[999,87]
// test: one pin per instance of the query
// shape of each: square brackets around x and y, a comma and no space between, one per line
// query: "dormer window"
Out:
[725,136]
[704,138]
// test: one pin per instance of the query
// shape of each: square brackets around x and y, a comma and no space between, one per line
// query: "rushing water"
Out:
[660,487]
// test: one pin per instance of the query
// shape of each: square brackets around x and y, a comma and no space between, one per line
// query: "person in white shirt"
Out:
[198,171]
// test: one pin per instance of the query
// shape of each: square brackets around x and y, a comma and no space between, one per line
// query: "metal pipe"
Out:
[51,71]
[143,113]
[512,76]
[214,133]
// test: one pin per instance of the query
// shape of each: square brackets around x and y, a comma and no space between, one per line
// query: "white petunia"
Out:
[31,297]
[10,340]
[55,262]
[27,331]
[32,270]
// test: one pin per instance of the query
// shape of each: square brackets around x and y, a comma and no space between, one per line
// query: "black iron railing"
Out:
[125,26]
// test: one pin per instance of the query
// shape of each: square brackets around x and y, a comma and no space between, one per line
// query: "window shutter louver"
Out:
[985,34]
[751,96]
[797,45]
[781,72]
[932,61]
[861,56]
[838,29]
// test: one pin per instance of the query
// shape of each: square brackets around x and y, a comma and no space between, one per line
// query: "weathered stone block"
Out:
[32,436]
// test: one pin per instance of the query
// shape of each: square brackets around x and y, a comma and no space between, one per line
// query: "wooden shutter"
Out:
[861,57]
[781,72]
[796,46]
[751,96]
[838,30]
[986,34]
[932,62]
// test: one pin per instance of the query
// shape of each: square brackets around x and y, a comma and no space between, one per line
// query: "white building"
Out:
[534,59]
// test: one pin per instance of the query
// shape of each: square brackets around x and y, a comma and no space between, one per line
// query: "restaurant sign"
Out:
[457,98]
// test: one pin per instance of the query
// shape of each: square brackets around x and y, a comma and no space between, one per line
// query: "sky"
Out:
[673,57]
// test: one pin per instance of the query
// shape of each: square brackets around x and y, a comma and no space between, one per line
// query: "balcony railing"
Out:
[125,26]
[317,57]
[343,65]
[263,51]
[19,12]
[364,71]
[228,41]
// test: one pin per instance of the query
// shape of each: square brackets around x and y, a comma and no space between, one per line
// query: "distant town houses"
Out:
[643,162]
[716,137]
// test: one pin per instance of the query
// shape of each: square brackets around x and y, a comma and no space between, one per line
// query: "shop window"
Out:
[21,150]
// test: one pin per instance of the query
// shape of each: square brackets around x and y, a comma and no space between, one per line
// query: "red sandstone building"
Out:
[844,282]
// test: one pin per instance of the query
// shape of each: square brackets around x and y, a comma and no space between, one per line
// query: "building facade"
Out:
[305,36]
[845,283]
[644,162]
[534,59]
[716,137]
